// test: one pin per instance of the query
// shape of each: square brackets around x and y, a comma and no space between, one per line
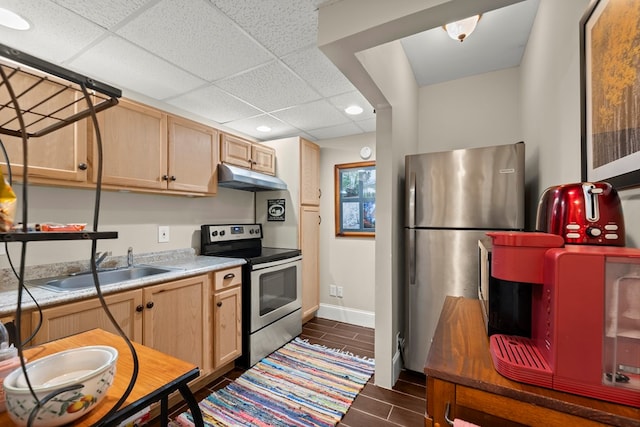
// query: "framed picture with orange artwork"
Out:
[610,92]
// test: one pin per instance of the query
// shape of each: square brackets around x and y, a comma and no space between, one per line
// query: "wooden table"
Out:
[460,374]
[158,376]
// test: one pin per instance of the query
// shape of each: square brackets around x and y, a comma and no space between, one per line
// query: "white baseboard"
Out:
[397,366]
[347,315]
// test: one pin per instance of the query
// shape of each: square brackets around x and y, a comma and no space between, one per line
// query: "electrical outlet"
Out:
[332,290]
[339,293]
[163,234]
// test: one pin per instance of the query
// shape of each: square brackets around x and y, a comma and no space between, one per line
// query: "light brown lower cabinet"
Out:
[68,319]
[227,316]
[171,317]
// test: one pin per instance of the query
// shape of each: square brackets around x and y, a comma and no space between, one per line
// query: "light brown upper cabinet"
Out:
[309,173]
[240,152]
[60,155]
[145,148]
[193,156]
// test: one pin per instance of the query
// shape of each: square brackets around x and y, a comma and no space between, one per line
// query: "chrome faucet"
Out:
[130,257]
[101,257]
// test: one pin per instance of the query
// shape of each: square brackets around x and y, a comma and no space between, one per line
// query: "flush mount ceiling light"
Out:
[263,128]
[12,20]
[353,110]
[462,29]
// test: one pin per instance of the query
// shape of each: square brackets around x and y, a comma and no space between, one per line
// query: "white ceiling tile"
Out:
[368,125]
[281,26]
[335,131]
[129,67]
[353,98]
[248,127]
[56,34]
[317,70]
[214,104]
[270,87]
[196,37]
[107,14]
[317,114]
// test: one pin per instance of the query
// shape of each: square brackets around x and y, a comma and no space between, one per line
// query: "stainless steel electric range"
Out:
[271,287]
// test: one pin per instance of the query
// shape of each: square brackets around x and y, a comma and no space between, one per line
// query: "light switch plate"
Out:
[163,234]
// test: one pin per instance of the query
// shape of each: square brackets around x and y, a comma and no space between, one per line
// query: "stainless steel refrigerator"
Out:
[452,199]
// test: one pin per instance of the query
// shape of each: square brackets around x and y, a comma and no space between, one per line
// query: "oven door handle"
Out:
[262,266]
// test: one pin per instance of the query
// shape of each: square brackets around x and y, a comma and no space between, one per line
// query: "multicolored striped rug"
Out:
[300,384]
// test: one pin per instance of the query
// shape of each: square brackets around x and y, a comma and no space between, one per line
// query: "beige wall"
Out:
[344,261]
[135,217]
[471,112]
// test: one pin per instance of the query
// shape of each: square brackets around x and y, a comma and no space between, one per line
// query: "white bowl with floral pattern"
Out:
[86,373]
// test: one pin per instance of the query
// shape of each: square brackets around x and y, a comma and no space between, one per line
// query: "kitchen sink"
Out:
[71,283]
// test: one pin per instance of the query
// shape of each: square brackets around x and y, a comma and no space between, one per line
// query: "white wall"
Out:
[471,112]
[134,216]
[344,261]
[550,75]
[396,136]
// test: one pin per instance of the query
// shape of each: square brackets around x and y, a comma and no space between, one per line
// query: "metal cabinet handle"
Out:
[165,177]
[150,304]
[139,308]
[219,304]
[319,219]
[173,178]
[229,276]
[82,166]
[319,192]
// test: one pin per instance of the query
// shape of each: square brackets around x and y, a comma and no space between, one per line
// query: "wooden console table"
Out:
[159,375]
[460,374]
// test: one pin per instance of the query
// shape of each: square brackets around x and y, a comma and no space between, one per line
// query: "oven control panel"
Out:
[229,232]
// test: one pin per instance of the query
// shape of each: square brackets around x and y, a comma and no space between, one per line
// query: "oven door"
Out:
[276,290]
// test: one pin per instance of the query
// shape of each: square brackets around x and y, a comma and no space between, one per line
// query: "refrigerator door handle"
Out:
[412,200]
[412,257]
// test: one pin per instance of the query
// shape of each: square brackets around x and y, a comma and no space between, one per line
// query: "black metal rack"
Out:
[34,118]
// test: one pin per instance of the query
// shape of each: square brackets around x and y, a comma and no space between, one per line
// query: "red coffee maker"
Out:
[585,336]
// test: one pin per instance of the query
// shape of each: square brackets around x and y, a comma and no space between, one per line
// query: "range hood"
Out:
[247,180]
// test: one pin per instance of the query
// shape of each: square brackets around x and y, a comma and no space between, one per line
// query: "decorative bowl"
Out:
[91,367]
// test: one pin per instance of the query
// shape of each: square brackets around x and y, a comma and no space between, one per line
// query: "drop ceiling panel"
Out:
[281,26]
[367,125]
[353,98]
[56,33]
[317,70]
[279,129]
[214,104]
[196,37]
[107,14]
[270,87]
[335,131]
[317,114]
[118,62]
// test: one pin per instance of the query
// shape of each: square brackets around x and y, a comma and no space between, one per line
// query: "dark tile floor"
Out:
[375,406]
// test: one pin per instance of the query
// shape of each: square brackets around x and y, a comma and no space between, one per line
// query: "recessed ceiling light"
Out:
[353,110]
[12,20]
[263,128]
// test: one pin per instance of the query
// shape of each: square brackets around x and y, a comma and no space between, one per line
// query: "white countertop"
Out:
[181,267]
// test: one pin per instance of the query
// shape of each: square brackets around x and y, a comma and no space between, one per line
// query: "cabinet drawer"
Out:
[224,279]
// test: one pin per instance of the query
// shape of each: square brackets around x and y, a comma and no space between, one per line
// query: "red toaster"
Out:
[587,213]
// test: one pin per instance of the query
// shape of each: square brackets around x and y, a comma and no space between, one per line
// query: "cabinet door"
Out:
[227,326]
[309,173]
[134,145]
[60,155]
[174,319]
[235,151]
[69,319]
[310,246]
[263,159]
[193,156]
